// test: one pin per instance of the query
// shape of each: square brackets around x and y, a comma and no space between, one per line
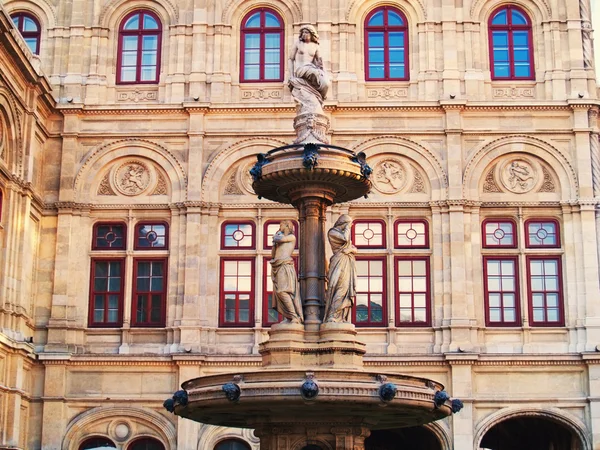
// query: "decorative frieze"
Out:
[387,93]
[105,188]
[137,95]
[513,92]
[262,94]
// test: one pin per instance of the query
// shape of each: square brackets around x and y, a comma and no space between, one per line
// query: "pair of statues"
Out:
[341,289]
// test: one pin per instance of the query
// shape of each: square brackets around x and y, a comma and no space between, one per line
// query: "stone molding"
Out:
[478,5]
[232,6]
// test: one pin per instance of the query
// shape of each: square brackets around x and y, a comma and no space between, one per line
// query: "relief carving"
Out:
[2,137]
[262,94]
[418,182]
[490,182]
[387,93]
[548,184]
[132,178]
[244,179]
[518,176]
[232,187]
[161,186]
[105,188]
[137,96]
[390,176]
[513,92]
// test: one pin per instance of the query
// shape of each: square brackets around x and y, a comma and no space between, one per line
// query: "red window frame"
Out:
[267,293]
[140,32]
[267,243]
[93,292]
[528,242]
[20,25]
[137,238]
[386,29]
[224,225]
[426,292]
[498,221]
[96,441]
[237,293]
[369,293]
[510,28]
[487,292]
[95,236]
[369,221]
[262,30]
[558,292]
[149,323]
[411,221]
[146,443]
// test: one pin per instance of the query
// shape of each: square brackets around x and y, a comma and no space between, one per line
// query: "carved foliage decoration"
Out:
[132,177]
[518,174]
[239,181]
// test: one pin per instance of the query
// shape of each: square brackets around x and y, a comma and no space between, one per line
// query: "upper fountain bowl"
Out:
[288,173]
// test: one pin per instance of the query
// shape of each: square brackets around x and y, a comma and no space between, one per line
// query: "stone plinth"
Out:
[335,346]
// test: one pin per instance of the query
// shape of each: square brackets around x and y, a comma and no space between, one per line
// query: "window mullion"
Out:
[261,53]
[138,68]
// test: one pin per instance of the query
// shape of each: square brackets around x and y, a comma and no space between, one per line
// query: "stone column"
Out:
[586,33]
[336,436]
[312,203]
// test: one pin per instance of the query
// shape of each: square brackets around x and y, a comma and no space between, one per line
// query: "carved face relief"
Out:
[132,178]
[518,175]
[390,176]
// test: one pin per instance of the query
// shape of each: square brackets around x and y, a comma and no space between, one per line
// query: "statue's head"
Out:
[342,220]
[286,226]
[312,31]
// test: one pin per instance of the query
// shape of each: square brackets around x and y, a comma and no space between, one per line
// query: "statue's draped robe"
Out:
[309,88]
[341,288]
[283,275]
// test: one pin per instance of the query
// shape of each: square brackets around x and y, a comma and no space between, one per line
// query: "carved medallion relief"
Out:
[131,178]
[393,174]
[518,175]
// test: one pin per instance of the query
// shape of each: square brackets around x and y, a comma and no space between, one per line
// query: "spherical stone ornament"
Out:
[309,390]
[232,391]
[387,392]
[122,431]
[132,178]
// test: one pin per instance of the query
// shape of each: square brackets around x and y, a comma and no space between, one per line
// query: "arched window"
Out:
[146,444]
[139,48]
[511,44]
[96,442]
[30,29]
[386,45]
[262,46]
[232,444]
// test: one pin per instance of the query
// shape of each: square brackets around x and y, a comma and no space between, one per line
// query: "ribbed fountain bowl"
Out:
[290,396]
[286,173]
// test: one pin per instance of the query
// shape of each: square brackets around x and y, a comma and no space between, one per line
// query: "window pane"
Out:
[272,56]
[396,70]
[518,18]
[149,58]
[16,21]
[130,43]
[157,284]
[32,44]
[376,56]
[396,40]
[494,300]
[522,71]
[150,23]
[149,42]
[253,21]
[148,74]
[129,59]
[510,315]
[376,19]
[143,284]
[495,315]
[501,70]
[29,25]
[272,40]
[251,57]
[500,18]
[553,315]
[376,40]
[394,18]
[133,23]
[271,20]
[244,284]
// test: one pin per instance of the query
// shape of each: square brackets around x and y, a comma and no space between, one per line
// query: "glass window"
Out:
[106,293]
[271,227]
[149,293]
[411,234]
[109,236]
[370,305]
[139,48]
[499,233]
[30,29]
[544,277]
[412,291]
[542,233]
[150,236]
[262,46]
[146,444]
[232,444]
[511,47]
[386,45]
[501,291]
[237,235]
[368,233]
[96,442]
[237,292]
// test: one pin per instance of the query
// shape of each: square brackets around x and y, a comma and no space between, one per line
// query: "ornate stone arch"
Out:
[302,442]
[234,9]
[210,435]
[97,159]
[149,422]
[358,9]
[554,414]
[537,9]
[422,156]
[224,159]
[42,9]
[114,11]
[481,159]
[441,432]
[11,114]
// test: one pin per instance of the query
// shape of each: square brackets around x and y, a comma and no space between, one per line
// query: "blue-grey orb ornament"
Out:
[309,390]
[232,391]
[387,392]
[440,398]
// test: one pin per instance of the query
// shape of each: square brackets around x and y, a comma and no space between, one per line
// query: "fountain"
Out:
[312,391]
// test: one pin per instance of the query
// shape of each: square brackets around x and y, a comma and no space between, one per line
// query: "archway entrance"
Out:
[530,433]
[411,438]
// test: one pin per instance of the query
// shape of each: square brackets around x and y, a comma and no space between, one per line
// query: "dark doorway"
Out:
[411,438]
[528,433]
[311,447]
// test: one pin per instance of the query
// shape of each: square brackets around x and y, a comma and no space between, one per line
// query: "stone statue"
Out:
[308,81]
[341,288]
[286,292]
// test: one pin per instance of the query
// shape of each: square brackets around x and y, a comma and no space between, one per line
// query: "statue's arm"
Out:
[317,60]
[280,238]
[291,60]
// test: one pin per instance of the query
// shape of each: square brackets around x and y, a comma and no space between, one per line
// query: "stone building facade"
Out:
[133,250]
